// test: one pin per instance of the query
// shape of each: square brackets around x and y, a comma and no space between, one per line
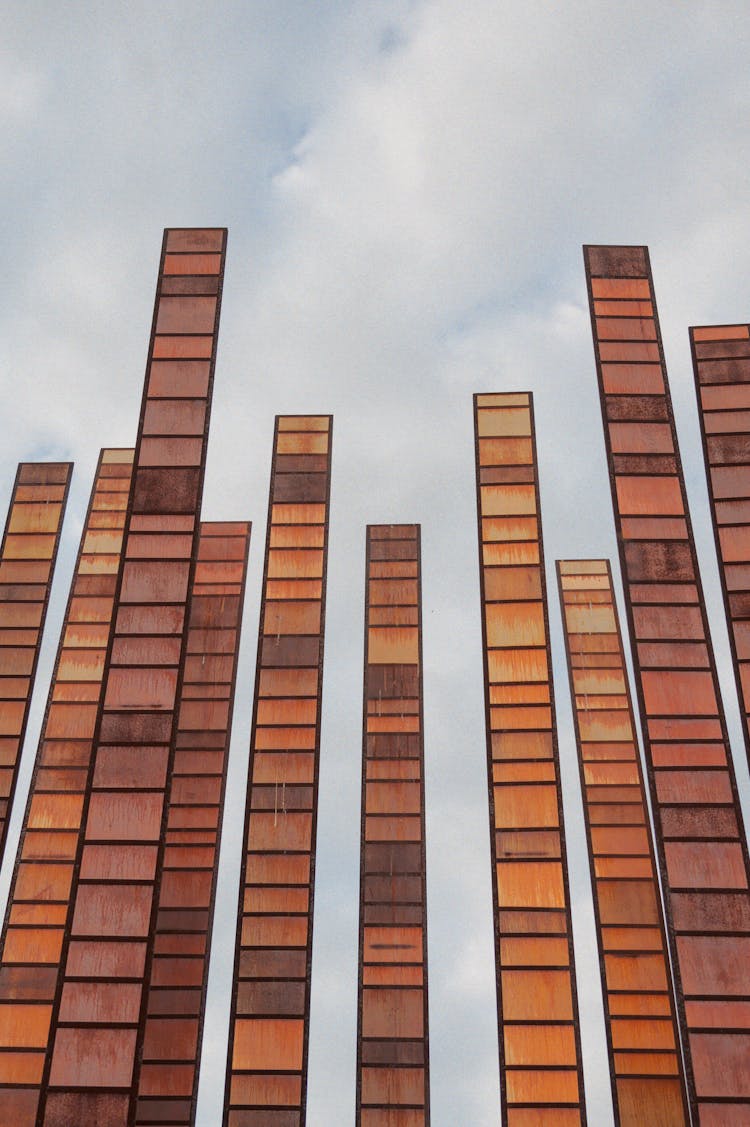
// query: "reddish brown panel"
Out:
[630,929]
[27,562]
[38,903]
[170,1037]
[115,893]
[267,1061]
[700,843]
[541,1070]
[392,1013]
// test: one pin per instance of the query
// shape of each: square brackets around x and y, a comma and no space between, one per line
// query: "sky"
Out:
[407,185]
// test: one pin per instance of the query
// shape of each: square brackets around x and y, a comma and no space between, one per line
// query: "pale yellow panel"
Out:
[504,422]
[393,645]
[507,500]
[515,624]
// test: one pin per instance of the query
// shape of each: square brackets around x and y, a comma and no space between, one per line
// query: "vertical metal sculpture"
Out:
[38,902]
[701,846]
[269,1023]
[648,1085]
[27,562]
[540,1053]
[169,1043]
[109,944]
[392,1033]
[721,363]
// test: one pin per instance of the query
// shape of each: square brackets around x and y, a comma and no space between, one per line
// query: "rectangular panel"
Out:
[268,1032]
[27,562]
[392,1034]
[540,1054]
[169,1044]
[639,1008]
[700,842]
[38,901]
[120,854]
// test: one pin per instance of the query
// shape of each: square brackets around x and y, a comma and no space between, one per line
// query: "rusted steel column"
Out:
[27,562]
[170,1040]
[38,901]
[109,946]
[270,1016]
[648,1084]
[721,363]
[540,1053]
[700,841]
[392,1031]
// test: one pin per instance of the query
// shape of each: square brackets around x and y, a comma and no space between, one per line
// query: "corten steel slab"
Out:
[27,563]
[392,1030]
[38,901]
[700,839]
[642,1037]
[721,363]
[169,1044]
[108,947]
[268,1032]
[540,1053]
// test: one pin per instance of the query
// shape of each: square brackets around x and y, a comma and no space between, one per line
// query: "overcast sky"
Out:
[407,186]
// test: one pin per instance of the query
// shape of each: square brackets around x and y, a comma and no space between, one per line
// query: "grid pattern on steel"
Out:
[269,1023]
[721,363]
[700,840]
[109,943]
[642,1035]
[540,1055]
[27,563]
[38,901]
[170,1040]
[392,1034]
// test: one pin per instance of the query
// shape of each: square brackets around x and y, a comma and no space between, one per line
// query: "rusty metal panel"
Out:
[38,901]
[540,1053]
[269,1022]
[721,363]
[700,840]
[169,1045]
[392,1030]
[27,562]
[109,944]
[647,1076]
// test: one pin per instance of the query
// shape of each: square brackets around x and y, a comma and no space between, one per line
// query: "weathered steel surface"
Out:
[642,1038]
[110,941]
[169,1044]
[269,1023]
[540,1053]
[701,845]
[38,901]
[27,562]
[392,1033]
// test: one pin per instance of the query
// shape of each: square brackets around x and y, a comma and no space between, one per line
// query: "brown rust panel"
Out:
[620,833]
[392,1010]
[690,772]
[269,1020]
[27,562]
[31,958]
[138,710]
[541,1070]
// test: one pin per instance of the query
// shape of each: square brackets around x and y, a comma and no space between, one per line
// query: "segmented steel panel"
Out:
[540,1055]
[267,1066]
[643,1041]
[721,362]
[38,902]
[699,834]
[392,1031]
[109,947]
[27,563]
[169,1045]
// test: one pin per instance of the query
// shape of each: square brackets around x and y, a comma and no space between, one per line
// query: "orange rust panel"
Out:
[701,847]
[540,1064]
[270,1008]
